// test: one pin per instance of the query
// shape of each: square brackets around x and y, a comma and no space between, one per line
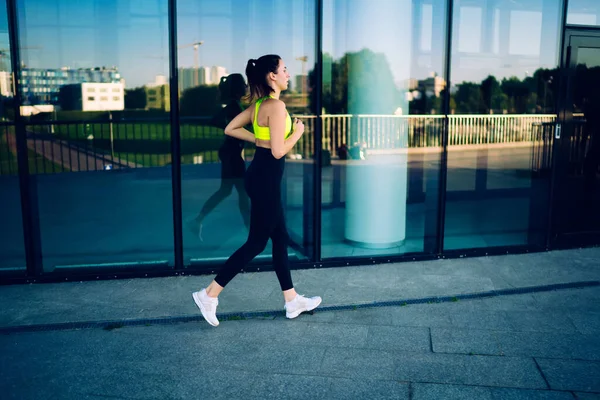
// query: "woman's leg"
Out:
[262,222]
[279,239]
[294,304]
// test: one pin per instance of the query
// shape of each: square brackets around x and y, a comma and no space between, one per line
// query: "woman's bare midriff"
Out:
[263,143]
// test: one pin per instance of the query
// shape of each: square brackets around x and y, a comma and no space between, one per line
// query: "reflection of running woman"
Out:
[233,167]
[275,136]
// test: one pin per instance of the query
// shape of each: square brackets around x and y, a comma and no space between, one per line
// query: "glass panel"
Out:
[583,12]
[579,211]
[216,40]
[504,76]
[104,193]
[382,100]
[12,245]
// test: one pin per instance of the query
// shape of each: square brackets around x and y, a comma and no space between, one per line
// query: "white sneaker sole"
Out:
[301,310]
[201,307]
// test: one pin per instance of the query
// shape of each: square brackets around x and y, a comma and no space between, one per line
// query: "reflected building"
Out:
[157,94]
[216,73]
[202,76]
[42,86]
[92,96]
[431,86]
[6,84]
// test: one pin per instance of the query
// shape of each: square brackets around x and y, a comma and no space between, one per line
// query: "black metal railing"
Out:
[119,144]
[92,145]
[543,140]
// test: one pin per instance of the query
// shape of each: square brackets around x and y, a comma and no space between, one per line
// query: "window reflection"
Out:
[583,12]
[578,160]
[504,82]
[382,98]
[95,142]
[216,40]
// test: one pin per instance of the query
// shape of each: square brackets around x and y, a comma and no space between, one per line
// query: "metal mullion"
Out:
[317,170]
[27,184]
[443,174]
[559,108]
[175,138]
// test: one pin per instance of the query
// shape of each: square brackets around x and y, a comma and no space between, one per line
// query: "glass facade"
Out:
[577,187]
[433,128]
[382,125]
[102,178]
[215,41]
[504,60]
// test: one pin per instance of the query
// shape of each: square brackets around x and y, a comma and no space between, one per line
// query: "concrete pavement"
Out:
[447,329]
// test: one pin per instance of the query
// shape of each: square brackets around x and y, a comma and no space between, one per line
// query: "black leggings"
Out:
[267,220]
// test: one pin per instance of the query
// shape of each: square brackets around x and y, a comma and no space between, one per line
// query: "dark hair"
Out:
[232,87]
[257,71]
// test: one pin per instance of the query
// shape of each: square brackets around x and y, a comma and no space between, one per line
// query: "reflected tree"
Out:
[367,69]
[135,99]
[369,72]
[200,101]
[492,95]
[468,98]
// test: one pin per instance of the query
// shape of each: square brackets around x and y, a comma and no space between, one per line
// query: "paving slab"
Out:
[527,344]
[358,364]
[429,391]
[476,370]
[575,375]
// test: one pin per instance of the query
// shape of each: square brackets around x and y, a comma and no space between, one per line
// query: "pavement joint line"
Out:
[430,340]
[539,368]
[232,316]
[493,387]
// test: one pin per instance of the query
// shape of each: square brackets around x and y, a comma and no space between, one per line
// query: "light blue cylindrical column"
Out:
[376,201]
[376,187]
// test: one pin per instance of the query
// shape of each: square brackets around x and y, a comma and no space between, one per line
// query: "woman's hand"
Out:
[298,126]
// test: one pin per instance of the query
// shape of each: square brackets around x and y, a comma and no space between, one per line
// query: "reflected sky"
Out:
[509,38]
[584,12]
[133,35]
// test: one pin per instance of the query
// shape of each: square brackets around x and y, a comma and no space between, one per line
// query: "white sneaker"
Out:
[301,304]
[207,305]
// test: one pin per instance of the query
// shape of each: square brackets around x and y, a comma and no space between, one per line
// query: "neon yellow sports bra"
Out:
[263,132]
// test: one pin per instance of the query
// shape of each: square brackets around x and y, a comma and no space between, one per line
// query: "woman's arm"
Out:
[279,145]
[236,127]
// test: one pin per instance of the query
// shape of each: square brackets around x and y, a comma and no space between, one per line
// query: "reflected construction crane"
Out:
[196,46]
[303,60]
